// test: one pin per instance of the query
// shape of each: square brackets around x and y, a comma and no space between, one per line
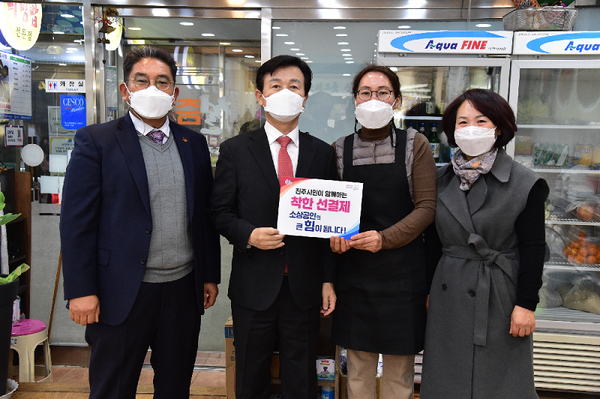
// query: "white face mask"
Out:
[475,140]
[150,102]
[285,105]
[374,114]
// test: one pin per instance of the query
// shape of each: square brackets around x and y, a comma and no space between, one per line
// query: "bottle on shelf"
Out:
[422,129]
[434,142]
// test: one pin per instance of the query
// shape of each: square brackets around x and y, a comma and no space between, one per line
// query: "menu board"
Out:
[15,87]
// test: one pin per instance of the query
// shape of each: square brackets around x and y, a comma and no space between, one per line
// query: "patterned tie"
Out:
[284,162]
[157,136]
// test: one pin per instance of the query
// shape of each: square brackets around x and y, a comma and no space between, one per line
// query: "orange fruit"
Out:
[583,252]
[580,259]
[571,258]
[591,260]
[593,250]
[576,245]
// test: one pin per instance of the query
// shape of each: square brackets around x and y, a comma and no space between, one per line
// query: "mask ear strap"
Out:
[355,123]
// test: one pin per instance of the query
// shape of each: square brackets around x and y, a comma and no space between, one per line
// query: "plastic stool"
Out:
[25,337]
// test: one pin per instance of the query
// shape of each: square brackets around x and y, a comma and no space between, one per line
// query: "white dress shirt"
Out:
[143,128]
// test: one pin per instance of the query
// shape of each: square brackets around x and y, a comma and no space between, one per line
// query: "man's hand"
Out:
[367,241]
[522,322]
[210,294]
[339,245]
[85,310]
[329,299]
[266,238]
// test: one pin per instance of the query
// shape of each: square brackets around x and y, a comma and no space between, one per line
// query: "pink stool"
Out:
[25,337]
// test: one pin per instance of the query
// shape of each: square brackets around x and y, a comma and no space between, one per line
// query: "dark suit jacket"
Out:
[106,223]
[246,196]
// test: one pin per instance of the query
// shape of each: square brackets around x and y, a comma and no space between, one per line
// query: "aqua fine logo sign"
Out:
[568,43]
[72,111]
[453,42]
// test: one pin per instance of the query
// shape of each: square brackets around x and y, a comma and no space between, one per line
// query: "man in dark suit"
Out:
[141,257]
[277,283]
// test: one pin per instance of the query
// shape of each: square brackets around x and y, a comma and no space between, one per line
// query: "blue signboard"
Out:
[72,111]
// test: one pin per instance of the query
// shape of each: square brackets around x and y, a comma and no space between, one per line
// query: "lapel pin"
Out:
[185,140]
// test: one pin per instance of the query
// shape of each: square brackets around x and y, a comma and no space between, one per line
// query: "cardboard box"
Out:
[229,360]
[343,394]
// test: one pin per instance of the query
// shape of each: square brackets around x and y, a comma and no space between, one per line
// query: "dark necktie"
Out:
[157,136]
[284,161]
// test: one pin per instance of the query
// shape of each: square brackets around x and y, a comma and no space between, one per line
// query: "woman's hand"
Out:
[367,241]
[522,322]
[339,245]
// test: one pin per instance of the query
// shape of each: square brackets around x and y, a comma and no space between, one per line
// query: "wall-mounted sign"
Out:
[72,111]
[20,24]
[65,85]
[15,86]
[562,43]
[14,136]
[445,42]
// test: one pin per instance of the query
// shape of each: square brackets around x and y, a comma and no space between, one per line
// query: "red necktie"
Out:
[284,161]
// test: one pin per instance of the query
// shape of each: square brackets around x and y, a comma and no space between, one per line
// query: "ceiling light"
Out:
[404,27]
[61,64]
[72,49]
[345,50]
[483,25]
[249,56]
[294,49]
[67,16]
[208,34]
[303,58]
[237,50]
[394,69]
[341,35]
[339,27]
[343,43]
[186,23]
[160,12]
[309,61]
[58,32]
[299,54]
[346,74]
[225,44]
[257,61]
[276,27]
[282,35]
[346,55]
[349,62]
[289,43]
[134,28]
[348,59]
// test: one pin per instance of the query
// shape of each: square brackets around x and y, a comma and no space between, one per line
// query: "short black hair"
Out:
[282,61]
[148,52]
[490,104]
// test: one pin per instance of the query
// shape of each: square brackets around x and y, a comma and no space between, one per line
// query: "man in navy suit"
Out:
[141,258]
[278,284]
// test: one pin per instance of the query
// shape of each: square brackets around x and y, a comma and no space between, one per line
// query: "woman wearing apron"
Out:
[382,280]
[490,222]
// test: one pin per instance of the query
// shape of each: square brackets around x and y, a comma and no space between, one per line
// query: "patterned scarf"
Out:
[469,171]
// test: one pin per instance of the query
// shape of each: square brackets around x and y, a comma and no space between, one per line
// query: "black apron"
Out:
[381,296]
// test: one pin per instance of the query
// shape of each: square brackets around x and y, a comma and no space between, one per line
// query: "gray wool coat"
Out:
[469,352]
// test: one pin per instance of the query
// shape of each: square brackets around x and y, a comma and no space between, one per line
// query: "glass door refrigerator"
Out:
[555,93]
[435,67]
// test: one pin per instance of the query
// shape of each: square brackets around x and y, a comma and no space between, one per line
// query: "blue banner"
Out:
[72,111]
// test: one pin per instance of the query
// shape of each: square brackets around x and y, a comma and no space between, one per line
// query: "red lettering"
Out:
[465,44]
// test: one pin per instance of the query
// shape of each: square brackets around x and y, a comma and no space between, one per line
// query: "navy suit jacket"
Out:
[246,196]
[106,223]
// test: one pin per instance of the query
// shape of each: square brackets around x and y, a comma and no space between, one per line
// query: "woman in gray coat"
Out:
[491,245]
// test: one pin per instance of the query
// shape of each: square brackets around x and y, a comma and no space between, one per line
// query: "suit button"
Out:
[472,293]
[444,287]
[143,261]
[148,230]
